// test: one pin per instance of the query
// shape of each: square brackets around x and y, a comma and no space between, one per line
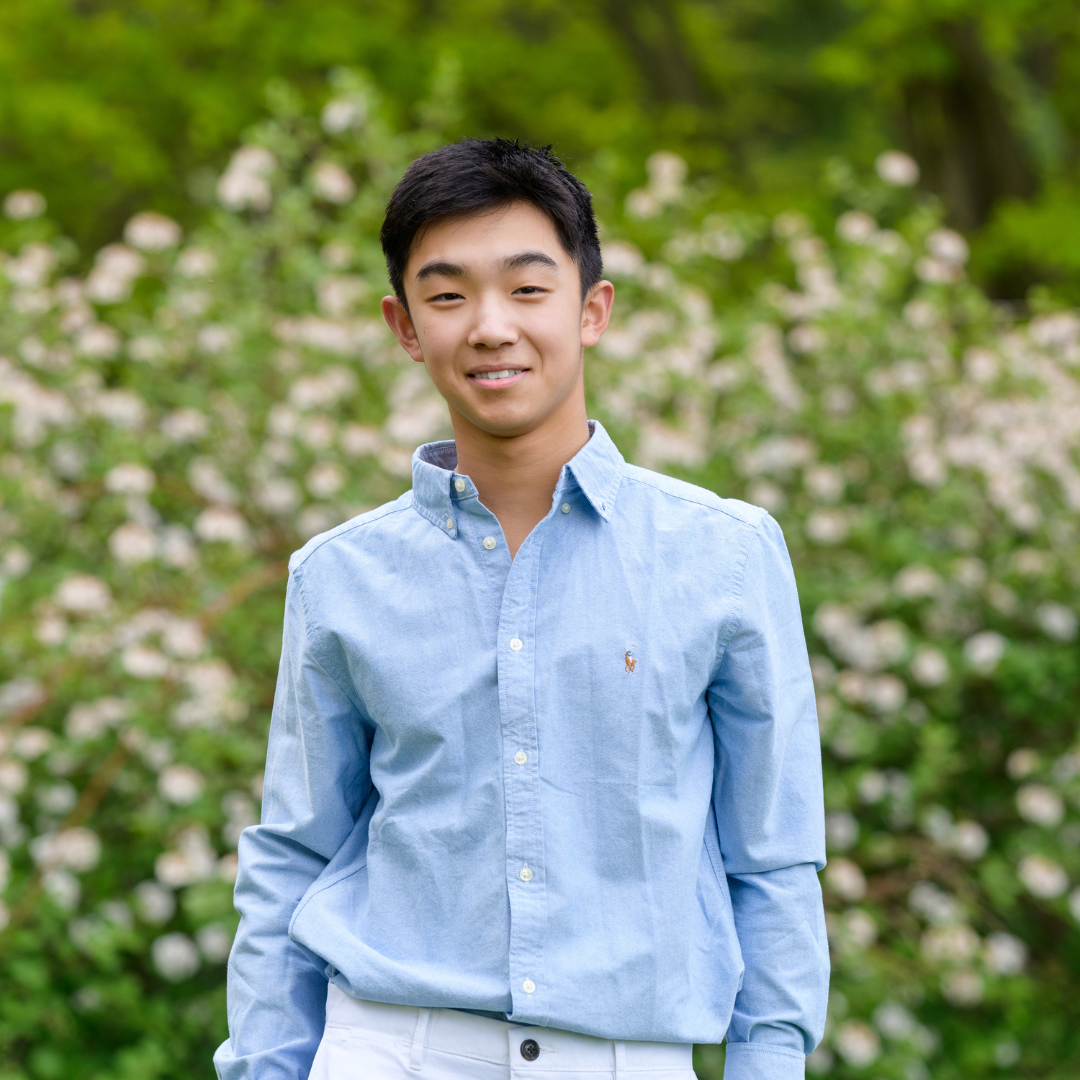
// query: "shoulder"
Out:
[696,500]
[372,527]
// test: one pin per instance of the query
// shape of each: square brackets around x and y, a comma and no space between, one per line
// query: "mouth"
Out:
[500,378]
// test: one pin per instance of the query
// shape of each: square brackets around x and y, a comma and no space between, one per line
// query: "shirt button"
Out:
[459,485]
[528,986]
[521,757]
[525,874]
[489,542]
[516,644]
[565,508]
[530,1049]
[449,523]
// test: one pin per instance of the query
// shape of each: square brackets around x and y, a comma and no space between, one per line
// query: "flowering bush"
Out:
[178,419]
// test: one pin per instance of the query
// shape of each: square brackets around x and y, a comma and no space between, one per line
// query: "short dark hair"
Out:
[475,175]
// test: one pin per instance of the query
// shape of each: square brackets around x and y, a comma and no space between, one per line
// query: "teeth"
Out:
[505,374]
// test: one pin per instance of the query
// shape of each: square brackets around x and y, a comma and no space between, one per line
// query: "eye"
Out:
[446,296]
[530,290]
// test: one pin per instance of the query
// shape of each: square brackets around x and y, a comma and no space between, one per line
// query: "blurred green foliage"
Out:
[109,106]
[920,450]
[180,417]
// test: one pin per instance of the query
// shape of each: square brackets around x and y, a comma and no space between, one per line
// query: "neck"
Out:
[515,476]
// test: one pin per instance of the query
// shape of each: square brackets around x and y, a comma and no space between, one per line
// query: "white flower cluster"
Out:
[244,185]
[178,420]
[667,174]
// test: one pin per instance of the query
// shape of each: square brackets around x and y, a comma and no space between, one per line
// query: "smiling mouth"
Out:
[493,376]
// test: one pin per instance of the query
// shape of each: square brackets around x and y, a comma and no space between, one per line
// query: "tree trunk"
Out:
[651,31]
[960,132]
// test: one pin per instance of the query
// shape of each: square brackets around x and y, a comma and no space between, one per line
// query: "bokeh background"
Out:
[845,238]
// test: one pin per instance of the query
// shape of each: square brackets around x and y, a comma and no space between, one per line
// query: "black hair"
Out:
[475,175]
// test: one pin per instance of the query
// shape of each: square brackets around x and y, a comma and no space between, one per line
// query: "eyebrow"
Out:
[440,269]
[529,258]
[511,262]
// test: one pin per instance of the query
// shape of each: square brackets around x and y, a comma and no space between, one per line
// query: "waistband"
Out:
[500,1042]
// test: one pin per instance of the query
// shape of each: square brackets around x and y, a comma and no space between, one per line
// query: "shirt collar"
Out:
[597,468]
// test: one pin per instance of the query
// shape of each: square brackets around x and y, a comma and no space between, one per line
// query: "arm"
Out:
[770,817]
[317,780]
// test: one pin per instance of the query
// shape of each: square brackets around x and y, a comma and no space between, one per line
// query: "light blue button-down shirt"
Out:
[580,787]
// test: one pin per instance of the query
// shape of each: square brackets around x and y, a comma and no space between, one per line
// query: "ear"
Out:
[596,311]
[399,320]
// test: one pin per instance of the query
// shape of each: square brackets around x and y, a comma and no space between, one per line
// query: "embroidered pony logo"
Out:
[631,661]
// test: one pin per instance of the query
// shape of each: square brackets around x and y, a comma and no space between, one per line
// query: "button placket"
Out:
[480,529]
[516,663]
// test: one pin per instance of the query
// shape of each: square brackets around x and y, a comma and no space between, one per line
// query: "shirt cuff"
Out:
[759,1061]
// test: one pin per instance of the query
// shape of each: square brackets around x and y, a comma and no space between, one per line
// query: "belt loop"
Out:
[416,1057]
[620,1058]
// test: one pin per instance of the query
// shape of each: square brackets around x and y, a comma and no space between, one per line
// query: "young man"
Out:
[543,789]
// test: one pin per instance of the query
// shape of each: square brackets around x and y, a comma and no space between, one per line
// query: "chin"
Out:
[507,424]
[484,413]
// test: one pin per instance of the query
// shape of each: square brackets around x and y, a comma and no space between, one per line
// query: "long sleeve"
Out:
[317,783]
[770,819]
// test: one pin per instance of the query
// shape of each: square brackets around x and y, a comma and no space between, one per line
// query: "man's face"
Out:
[495,312]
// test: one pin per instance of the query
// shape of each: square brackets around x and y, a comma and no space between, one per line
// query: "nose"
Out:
[492,326]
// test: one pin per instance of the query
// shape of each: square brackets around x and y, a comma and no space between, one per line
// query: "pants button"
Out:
[530,1049]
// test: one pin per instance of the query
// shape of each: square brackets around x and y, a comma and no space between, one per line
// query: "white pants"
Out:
[367,1040]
